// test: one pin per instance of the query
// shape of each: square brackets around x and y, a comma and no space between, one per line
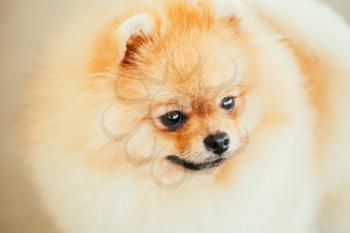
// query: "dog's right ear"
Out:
[228,8]
[132,32]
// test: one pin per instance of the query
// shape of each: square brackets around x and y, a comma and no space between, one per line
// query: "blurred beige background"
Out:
[25,25]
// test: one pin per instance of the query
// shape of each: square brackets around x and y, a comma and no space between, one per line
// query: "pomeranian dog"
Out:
[195,116]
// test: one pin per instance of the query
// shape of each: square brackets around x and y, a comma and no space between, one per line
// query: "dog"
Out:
[194,116]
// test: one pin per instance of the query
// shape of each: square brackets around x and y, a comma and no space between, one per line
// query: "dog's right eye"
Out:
[173,120]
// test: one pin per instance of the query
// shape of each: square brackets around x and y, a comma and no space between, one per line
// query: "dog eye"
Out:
[228,103]
[173,120]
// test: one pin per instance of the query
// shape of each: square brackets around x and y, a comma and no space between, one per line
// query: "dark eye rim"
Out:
[230,107]
[173,126]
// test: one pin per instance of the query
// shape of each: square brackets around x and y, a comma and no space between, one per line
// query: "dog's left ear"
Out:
[228,8]
[131,32]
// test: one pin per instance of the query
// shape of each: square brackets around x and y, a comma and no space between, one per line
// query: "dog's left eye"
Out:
[228,103]
[173,120]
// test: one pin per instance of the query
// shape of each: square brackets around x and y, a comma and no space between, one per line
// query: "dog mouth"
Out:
[194,166]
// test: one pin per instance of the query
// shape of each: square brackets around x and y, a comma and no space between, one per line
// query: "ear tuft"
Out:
[228,8]
[133,27]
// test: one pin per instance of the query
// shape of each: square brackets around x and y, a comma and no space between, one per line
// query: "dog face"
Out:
[192,85]
[186,83]
[194,111]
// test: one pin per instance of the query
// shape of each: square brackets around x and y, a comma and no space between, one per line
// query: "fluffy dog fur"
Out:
[99,151]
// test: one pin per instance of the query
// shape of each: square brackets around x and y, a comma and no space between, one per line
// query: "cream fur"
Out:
[287,179]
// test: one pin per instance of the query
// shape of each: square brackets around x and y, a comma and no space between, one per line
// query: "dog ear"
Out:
[132,32]
[228,8]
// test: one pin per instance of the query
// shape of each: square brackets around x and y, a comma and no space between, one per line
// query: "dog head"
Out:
[192,81]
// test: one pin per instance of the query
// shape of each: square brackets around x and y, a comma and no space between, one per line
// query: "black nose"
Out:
[217,143]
